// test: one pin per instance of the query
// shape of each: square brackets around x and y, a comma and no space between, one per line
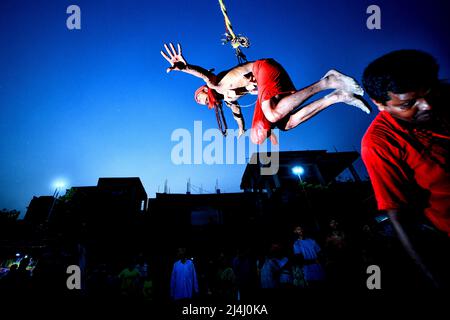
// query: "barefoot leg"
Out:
[315,107]
[276,109]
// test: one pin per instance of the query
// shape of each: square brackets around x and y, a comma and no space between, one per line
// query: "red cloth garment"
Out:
[398,158]
[271,79]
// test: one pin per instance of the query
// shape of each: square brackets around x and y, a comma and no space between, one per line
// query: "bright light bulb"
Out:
[59,184]
[298,170]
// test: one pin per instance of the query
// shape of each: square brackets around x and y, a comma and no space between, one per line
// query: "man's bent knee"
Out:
[268,107]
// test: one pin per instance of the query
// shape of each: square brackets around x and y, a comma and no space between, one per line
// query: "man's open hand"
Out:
[174,57]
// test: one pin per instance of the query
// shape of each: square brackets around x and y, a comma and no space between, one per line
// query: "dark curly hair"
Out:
[399,72]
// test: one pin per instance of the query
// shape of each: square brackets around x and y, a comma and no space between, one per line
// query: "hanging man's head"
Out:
[206,96]
[402,83]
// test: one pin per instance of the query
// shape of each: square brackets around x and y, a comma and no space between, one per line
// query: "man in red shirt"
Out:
[406,148]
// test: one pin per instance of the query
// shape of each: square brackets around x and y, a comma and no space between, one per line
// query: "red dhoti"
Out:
[272,80]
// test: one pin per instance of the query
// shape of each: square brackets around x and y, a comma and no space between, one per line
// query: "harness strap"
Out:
[220,117]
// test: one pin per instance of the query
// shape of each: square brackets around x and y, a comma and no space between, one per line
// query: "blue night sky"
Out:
[97,102]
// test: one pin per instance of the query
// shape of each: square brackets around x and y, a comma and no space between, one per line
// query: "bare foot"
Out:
[339,80]
[350,99]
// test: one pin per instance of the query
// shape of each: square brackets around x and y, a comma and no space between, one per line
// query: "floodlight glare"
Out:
[59,184]
[298,170]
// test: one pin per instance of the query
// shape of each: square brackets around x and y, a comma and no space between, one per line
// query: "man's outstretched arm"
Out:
[178,63]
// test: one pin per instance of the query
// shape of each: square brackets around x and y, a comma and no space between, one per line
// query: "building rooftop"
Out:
[318,167]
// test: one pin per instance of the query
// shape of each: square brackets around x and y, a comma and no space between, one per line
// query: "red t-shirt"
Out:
[398,158]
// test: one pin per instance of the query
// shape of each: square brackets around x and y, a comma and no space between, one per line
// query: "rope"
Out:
[221,121]
[248,105]
[236,41]
[245,105]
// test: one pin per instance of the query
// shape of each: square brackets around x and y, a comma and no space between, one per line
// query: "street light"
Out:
[59,185]
[298,170]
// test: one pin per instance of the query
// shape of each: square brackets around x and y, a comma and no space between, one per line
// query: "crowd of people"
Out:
[297,262]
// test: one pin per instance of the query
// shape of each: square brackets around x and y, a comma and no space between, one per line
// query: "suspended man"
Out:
[279,104]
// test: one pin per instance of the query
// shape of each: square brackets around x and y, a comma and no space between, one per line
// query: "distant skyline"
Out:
[77,105]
